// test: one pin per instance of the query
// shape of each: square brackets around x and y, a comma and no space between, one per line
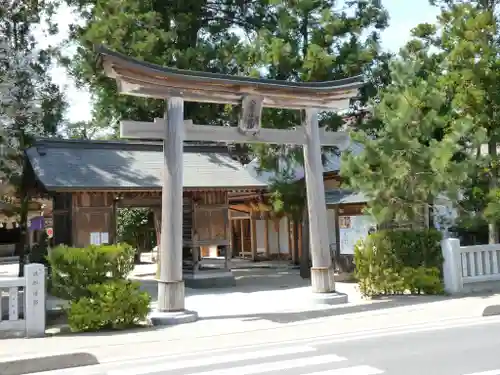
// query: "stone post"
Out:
[452,272]
[34,300]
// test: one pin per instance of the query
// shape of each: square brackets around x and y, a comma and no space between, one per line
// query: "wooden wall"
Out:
[92,212]
[211,217]
[331,182]
[351,209]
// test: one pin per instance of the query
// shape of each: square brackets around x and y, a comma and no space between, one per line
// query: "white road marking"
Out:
[401,330]
[491,372]
[274,366]
[208,361]
[355,370]
[366,334]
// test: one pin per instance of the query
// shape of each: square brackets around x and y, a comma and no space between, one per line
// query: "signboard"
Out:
[353,229]
[50,232]
[250,116]
[99,238]
[48,222]
[36,223]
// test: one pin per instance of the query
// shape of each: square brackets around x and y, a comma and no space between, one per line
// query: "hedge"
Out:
[398,262]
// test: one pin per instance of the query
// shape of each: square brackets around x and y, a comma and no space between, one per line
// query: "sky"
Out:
[402,19]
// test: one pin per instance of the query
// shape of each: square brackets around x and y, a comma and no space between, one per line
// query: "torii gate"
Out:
[138,78]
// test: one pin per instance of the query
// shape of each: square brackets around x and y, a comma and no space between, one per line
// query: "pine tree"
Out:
[461,53]
[415,156]
[468,49]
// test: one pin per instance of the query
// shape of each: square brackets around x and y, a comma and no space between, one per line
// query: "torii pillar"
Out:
[138,78]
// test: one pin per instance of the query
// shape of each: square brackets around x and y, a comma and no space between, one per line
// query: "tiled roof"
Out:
[76,164]
[331,164]
[342,196]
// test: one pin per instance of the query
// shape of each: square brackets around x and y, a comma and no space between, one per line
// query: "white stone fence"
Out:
[468,269]
[23,311]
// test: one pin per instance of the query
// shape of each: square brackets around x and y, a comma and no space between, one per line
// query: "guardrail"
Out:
[470,268]
[22,302]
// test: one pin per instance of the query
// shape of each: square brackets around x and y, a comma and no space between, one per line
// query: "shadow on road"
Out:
[347,309]
[47,364]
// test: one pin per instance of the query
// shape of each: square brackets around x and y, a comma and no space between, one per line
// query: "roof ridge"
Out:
[141,145]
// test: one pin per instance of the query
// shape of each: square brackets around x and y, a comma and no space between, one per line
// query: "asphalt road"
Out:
[472,350]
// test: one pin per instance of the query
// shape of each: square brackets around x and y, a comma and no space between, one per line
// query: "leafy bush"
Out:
[117,304]
[397,262]
[75,269]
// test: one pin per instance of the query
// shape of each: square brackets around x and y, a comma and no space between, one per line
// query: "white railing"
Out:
[470,268]
[24,309]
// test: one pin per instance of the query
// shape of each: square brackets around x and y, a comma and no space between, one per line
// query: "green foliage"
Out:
[287,40]
[453,92]
[313,41]
[86,130]
[397,262]
[135,226]
[31,104]
[94,280]
[74,269]
[413,157]
[117,304]
[288,197]
[469,47]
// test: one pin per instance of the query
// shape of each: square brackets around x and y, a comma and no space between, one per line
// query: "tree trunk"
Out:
[23,223]
[296,223]
[305,267]
[493,185]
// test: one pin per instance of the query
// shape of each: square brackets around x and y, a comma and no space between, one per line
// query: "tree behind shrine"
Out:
[30,104]
[303,40]
[459,62]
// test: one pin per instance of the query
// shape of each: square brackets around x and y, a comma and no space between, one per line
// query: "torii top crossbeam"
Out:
[140,78]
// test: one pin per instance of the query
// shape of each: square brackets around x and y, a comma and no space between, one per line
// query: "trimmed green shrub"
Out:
[116,304]
[399,261]
[75,269]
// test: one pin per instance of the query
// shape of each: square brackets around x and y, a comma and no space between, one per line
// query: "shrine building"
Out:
[225,214]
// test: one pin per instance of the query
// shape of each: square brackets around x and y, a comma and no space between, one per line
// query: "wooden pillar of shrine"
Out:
[62,218]
[170,283]
[322,273]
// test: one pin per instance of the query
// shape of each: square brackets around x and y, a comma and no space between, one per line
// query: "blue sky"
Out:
[403,19]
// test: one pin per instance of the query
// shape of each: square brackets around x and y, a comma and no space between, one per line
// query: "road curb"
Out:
[491,310]
[49,363]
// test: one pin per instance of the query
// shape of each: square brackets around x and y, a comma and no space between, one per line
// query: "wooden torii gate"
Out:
[138,78]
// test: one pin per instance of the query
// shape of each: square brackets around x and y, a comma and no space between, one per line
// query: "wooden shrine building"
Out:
[225,212]
[90,180]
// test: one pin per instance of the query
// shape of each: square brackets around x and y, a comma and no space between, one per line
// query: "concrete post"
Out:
[34,300]
[452,272]
[322,273]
